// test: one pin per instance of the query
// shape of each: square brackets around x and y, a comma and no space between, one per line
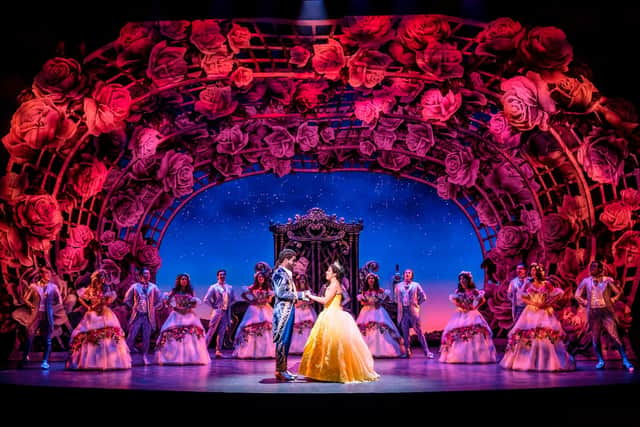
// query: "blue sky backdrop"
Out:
[405,223]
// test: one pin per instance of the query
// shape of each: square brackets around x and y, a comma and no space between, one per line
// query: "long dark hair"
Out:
[299,278]
[376,283]
[538,270]
[95,278]
[178,289]
[256,285]
[471,286]
[95,284]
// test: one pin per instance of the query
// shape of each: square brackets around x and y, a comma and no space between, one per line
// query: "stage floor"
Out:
[415,375]
[584,396]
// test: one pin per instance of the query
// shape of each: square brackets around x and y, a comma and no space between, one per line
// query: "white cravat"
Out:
[597,293]
[405,291]
[225,296]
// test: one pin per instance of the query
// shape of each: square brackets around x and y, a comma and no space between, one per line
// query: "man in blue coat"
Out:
[284,311]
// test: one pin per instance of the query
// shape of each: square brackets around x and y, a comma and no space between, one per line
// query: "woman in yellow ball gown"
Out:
[335,350]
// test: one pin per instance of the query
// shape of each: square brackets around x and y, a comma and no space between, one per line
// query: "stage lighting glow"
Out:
[313,9]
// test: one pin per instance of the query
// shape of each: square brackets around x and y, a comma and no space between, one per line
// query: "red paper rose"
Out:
[307,136]
[174,30]
[149,257]
[107,109]
[420,138]
[232,140]
[206,36]
[367,31]
[36,124]
[527,102]
[281,143]
[60,79]
[574,94]
[299,56]
[392,160]
[176,173]
[218,64]
[486,214]
[367,68]
[439,108]
[39,216]
[546,48]
[118,249]
[416,32]
[462,167]
[500,36]
[602,156]
[87,176]
[80,236]
[127,208]
[441,60]
[239,38]
[144,142]
[107,237]
[328,59]
[216,102]
[367,147]
[405,88]
[135,41]
[309,95]
[502,131]
[366,110]
[617,216]
[167,64]
[242,77]
[512,240]
[557,231]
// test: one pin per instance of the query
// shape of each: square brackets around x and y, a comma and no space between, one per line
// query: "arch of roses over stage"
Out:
[105,150]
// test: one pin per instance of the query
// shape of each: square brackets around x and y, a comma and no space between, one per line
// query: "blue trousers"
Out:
[282,345]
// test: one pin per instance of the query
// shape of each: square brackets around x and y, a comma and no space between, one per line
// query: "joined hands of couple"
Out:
[305,296]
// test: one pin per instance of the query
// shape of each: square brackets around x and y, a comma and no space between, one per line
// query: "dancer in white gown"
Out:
[379,331]
[98,341]
[536,341]
[467,336]
[254,338]
[182,338]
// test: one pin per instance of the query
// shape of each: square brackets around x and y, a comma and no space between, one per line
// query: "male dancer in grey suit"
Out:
[220,297]
[143,298]
[409,295]
[516,288]
[602,293]
[41,298]
[284,311]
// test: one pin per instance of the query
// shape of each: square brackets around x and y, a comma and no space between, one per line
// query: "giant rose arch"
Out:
[106,150]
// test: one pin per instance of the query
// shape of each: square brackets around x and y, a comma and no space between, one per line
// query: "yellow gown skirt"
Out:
[336,350]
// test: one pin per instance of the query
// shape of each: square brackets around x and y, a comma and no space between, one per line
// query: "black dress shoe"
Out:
[284,376]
